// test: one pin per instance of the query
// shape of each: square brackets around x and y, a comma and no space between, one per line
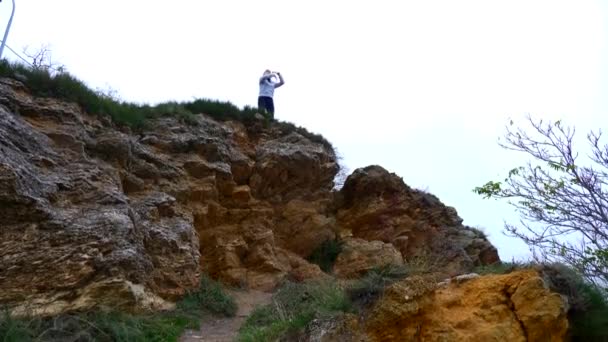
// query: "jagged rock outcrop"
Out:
[511,307]
[92,214]
[95,215]
[377,205]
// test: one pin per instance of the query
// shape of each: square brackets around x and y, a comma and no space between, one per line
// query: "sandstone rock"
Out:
[301,269]
[359,256]
[292,167]
[70,237]
[512,307]
[377,205]
[241,194]
[94,215]
[302,227]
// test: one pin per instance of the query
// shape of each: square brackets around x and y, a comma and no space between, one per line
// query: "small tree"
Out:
[343,172]
[41,59]
[563,204]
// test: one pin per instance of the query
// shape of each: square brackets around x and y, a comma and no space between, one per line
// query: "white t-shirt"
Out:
[266,86]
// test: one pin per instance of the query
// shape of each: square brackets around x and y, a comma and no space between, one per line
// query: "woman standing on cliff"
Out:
[267,86]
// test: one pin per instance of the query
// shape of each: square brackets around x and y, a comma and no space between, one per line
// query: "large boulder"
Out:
[292,167]
[360,256]
[377,205]
[512,307]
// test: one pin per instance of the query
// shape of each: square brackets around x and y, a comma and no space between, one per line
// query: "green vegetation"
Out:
[326,254]
[293,307]
[479,231]
[288,127]
[500,268]
[99,326]
[44,82]
[588,306]
[211,297]
[115,326]
[370,287]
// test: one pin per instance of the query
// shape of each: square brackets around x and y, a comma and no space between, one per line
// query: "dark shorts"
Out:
[265,103]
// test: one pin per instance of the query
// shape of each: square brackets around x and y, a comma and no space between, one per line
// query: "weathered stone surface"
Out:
[302,226]
[94,215]
[377,205]
[359,256]
[512,307]
[291,167]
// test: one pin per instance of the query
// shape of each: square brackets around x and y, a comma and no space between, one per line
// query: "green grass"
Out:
[500,268]
[294,306]
[326,254]
[288,127]
[63,86]
[117,326]
[44,83]
[210,297]
[366,290]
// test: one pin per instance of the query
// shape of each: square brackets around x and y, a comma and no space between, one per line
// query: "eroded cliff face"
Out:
[95,215]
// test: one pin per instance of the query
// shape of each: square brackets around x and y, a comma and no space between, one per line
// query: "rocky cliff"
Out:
[92,214]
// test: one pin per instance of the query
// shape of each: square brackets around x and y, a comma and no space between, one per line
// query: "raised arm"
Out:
[266,77]
[281,81]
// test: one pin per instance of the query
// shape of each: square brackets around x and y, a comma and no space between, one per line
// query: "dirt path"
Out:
[226,329]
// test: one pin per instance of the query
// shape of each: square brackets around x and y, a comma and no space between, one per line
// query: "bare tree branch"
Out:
[563,205]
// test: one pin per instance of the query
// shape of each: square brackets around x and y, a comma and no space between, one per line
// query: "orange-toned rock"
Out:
[512,307]
[377,205]
[241,194]
[93,214]
[292,167]
[359,256]
[301,269]
[302,226]
[85,203]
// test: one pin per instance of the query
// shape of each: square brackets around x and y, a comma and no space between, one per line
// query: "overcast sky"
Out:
[423,88]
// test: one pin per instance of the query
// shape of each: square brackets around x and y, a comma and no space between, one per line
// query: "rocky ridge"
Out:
[95,215]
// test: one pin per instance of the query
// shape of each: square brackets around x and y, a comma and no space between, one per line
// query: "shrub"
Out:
[370,287]
[210,297]
[117,326]
[588,306]
[45,82]
[499,268]
[288,127]
[98,326]
[325,255]
[293,307]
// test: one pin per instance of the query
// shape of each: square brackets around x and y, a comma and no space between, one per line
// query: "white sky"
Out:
[423,88]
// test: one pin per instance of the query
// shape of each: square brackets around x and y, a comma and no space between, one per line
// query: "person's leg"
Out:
[262,104]
[270,106]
